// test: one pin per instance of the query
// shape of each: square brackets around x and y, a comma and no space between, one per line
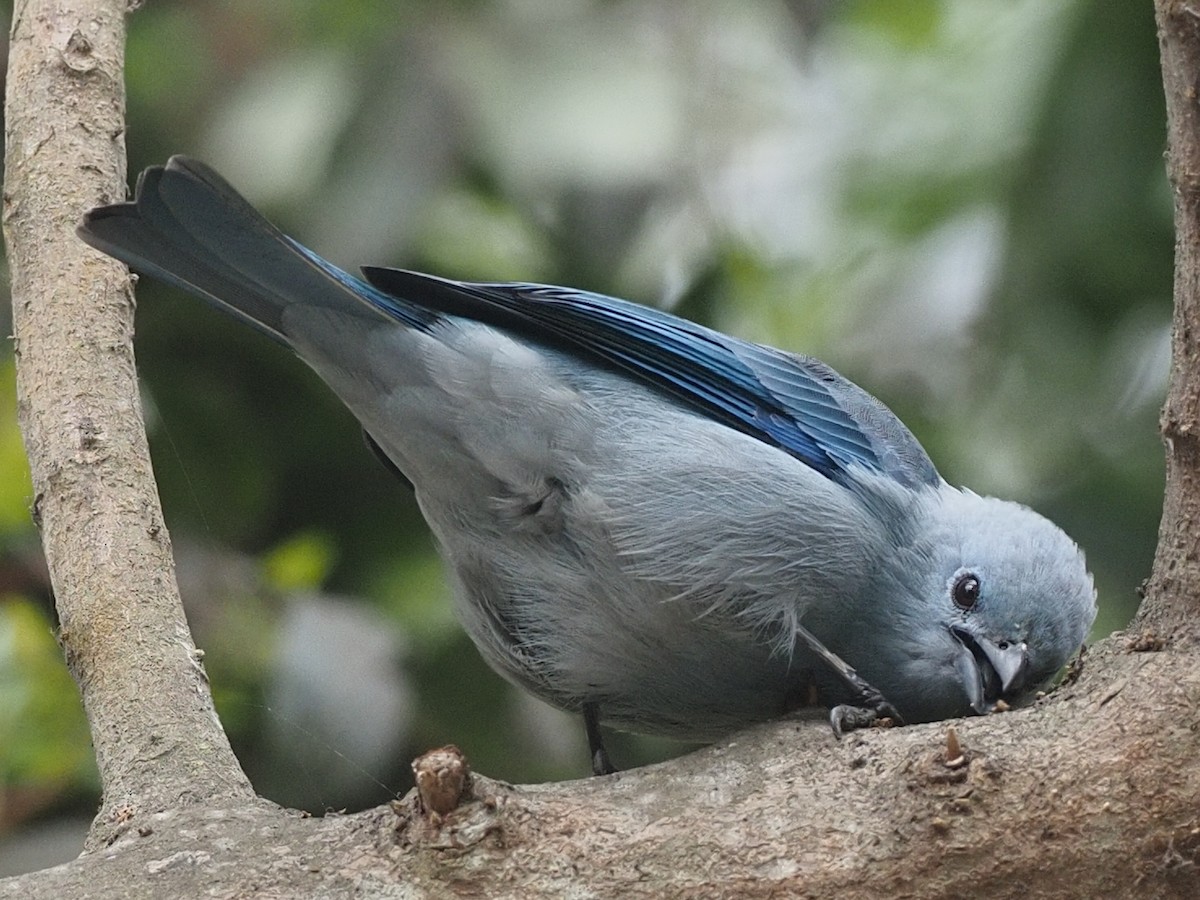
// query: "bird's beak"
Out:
[988,669]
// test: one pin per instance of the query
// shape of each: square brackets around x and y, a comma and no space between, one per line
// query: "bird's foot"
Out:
[601,764]
[868,707]
[871,709]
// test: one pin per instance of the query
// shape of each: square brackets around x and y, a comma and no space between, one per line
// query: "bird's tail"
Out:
[188,227]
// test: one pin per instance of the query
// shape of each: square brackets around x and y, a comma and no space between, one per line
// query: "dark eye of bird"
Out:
[965,591]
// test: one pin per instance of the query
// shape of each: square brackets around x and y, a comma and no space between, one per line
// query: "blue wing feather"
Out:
[794,402]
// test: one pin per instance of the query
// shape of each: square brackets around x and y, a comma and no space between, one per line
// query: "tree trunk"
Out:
[1095,791]
[157,739]
[1175,584]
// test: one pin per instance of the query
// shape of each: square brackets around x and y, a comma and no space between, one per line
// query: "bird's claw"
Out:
[601,764]
[869,706]
[874,709]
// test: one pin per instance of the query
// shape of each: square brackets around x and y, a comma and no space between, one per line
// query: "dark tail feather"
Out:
[189,228]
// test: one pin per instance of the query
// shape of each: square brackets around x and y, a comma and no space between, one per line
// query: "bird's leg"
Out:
[601,764]
[869,705]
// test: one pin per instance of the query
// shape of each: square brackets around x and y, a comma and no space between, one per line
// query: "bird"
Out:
[648,522]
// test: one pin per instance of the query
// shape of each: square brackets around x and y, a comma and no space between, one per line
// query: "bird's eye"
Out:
[966,590]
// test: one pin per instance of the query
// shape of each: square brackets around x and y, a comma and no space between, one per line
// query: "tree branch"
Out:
[1093,794]
[157,739]
[1173,597]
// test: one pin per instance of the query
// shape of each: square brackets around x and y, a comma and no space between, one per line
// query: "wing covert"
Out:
[794,402]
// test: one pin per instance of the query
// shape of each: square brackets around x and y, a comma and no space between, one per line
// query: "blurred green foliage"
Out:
[960,205]
[15,487]
[300,562]
[46,741]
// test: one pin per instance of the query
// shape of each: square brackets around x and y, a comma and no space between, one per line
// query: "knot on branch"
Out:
[449,809]
[76,53]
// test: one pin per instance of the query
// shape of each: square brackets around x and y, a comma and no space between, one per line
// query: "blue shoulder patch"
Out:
[793,402]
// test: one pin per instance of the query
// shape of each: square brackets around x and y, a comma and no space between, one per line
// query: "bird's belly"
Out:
[653,664]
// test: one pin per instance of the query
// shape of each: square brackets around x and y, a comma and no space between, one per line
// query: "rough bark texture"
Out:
[157,740]
[1093,792]
[1096,794]
[1177,563]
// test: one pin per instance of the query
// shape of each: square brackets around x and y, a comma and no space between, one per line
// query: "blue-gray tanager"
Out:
[667,529]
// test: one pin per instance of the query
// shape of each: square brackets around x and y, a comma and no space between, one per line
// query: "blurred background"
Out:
[959,204]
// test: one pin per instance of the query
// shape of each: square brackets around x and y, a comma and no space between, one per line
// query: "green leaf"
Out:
[43,731]
[913,24]
[301,562]
[16,490]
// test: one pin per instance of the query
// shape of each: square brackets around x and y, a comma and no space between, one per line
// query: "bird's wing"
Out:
[793,402]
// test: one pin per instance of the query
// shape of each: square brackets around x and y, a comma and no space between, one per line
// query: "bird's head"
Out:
[996,600]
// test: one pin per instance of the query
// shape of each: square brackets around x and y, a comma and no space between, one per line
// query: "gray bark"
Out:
[158,742]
